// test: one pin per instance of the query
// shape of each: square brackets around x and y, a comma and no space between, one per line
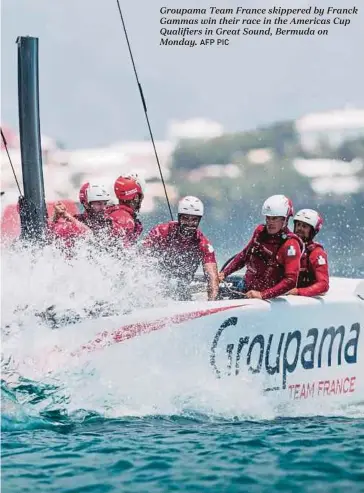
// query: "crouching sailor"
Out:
[180,247]
[272,256]
[314,271]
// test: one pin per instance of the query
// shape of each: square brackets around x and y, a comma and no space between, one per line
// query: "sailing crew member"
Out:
[313,279]
[139,200]
[123,216]
[272,256]
[180,248]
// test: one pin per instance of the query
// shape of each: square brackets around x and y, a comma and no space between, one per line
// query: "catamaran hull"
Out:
[299,349]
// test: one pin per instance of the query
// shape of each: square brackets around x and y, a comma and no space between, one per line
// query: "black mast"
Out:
[33,212]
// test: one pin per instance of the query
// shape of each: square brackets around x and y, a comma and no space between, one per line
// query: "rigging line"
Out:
[11,164]
[145,109]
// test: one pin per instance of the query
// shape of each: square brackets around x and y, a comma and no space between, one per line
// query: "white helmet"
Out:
[311,217]
[278,205]
[95,193]
[190,205]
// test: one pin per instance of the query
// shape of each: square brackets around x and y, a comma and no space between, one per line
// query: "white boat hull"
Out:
[295,348]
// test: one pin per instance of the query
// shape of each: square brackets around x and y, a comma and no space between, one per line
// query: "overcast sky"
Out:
[88,91]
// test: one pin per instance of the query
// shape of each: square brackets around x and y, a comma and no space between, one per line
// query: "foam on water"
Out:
[33,281]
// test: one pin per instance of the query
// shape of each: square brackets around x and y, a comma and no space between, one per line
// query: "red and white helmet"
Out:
[139,180]
[278,205]
[191,205]
[311,217]
[92,192]
[127,188]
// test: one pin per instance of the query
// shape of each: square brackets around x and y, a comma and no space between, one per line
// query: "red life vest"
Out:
[183,255]
[66,232]
[307,274]
[128,220]
[179,257]
[263,268]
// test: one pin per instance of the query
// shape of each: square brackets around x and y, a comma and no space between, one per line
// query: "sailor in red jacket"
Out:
[314,272]
[94,199]
[272,256]
[141,183]
[138,201]
[125,224]
[181,247]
